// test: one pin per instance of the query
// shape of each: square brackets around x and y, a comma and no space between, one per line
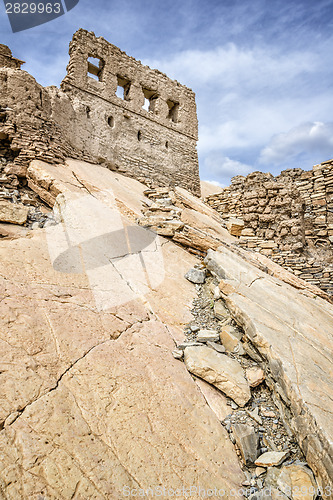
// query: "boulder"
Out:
[295,480]
[14,213]
[247,441]
[218,369]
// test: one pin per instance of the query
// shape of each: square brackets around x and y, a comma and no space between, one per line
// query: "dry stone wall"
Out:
[149,133]
[27,130]
[288,218]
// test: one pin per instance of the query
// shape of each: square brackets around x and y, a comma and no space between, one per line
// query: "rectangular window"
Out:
[123,88]
[173,110]
[151,97]
[95,68]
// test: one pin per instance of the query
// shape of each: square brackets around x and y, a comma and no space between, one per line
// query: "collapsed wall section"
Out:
[288,217]
[27,130]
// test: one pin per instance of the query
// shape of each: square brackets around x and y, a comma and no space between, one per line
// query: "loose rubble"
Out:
[18,203]
[272,460]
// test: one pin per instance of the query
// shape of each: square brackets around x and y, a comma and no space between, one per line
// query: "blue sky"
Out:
[262,71]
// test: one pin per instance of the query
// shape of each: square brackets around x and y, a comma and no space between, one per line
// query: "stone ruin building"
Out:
[110,110]
[114,111]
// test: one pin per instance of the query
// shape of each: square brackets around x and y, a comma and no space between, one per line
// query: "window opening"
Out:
[95,68]
[173,110]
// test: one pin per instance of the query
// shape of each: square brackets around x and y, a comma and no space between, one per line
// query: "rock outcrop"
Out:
[92,401]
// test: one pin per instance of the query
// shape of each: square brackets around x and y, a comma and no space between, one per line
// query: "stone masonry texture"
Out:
[289,218]
[110,110]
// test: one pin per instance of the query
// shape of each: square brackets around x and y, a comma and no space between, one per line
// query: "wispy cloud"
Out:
[221,167]
[314,138]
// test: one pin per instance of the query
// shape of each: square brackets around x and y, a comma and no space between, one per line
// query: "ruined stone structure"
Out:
[288,218]
[158,142]
[7,60]
[149,133]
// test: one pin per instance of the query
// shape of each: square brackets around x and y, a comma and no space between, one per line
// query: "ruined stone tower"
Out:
[110,109]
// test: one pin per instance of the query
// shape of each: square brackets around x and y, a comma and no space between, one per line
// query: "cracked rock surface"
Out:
[92,401]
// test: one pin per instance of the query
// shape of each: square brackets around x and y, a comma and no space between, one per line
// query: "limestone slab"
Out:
[218,369]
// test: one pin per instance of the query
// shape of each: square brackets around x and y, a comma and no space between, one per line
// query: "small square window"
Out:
[151,97]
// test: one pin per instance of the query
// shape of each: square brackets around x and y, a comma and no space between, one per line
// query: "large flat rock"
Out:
[92,402]
[294,332]
[218,369]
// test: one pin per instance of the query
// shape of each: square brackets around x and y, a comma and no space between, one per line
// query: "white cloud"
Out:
[245,96]
[222,167]
[233,67]
[215,183]
[305,138]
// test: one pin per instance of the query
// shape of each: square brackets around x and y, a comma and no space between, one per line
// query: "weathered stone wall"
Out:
[27,130]
[288,217]
[87,120]
[7,60]
[158,144]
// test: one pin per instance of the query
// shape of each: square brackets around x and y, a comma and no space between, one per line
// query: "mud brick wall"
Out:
[7,60]
[288,217]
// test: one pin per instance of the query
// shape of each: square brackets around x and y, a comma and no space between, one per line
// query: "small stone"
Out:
[220,311]
[229,341]
[233,405]
[239,349]
[247,441]
[235,226]
[216,347]
[183,345]
[255,415]
[207,335]
[13,213]
[217,293]
[195,328]
[259,471]
[178,353]
[197,276]
[255,376]
[271,458]
[267,413]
